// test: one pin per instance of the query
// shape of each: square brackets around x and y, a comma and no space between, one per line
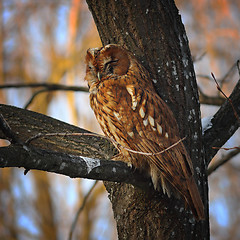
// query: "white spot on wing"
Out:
[140,133]
[141,112]
[154,129]
[130,89]
[159,128]
[130,134]
[145,122]
[151,120]
[166,135]
[117,115]
[134,103]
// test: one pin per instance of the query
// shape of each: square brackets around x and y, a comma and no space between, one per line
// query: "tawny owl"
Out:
[131,113]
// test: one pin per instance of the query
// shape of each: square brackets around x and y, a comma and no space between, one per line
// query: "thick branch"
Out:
[223,124]
[70,165]
[81,156]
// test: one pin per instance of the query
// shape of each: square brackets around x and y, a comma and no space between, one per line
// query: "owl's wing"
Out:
[138,119]
[155,129]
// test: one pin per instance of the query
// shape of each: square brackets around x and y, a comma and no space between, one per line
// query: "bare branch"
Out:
[71,165]
[74,156]
[80,210]
[223,124]
[222,161]
[54,87]
[199,58]
[228,73]
[229,100]
[45,86]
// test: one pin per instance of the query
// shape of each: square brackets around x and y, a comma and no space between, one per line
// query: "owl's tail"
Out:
[194,200]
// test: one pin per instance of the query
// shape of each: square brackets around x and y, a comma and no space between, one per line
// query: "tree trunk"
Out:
[153,30]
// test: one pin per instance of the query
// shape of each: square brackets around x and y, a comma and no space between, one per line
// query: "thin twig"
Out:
[55,87]
[46,88]
[229,100]
[225,159]
[223,79]
[153,154]
[196,59]
[34,95]
[45,85]
[205,99]
[79,211]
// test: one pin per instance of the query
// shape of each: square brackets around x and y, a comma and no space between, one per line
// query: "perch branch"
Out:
[40,135]
[73,156]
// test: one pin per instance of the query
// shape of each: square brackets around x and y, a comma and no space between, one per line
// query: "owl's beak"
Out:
[99,76]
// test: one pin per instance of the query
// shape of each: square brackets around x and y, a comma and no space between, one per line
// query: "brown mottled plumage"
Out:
[130,111]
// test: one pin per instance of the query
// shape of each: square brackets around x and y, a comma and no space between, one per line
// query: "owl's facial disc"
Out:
[113,60]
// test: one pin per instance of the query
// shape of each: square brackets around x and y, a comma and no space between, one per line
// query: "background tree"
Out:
[112,28]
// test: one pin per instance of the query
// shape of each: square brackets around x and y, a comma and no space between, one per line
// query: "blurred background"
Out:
[45,42]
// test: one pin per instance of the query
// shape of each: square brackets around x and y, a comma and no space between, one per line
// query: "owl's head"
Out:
[104,63]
